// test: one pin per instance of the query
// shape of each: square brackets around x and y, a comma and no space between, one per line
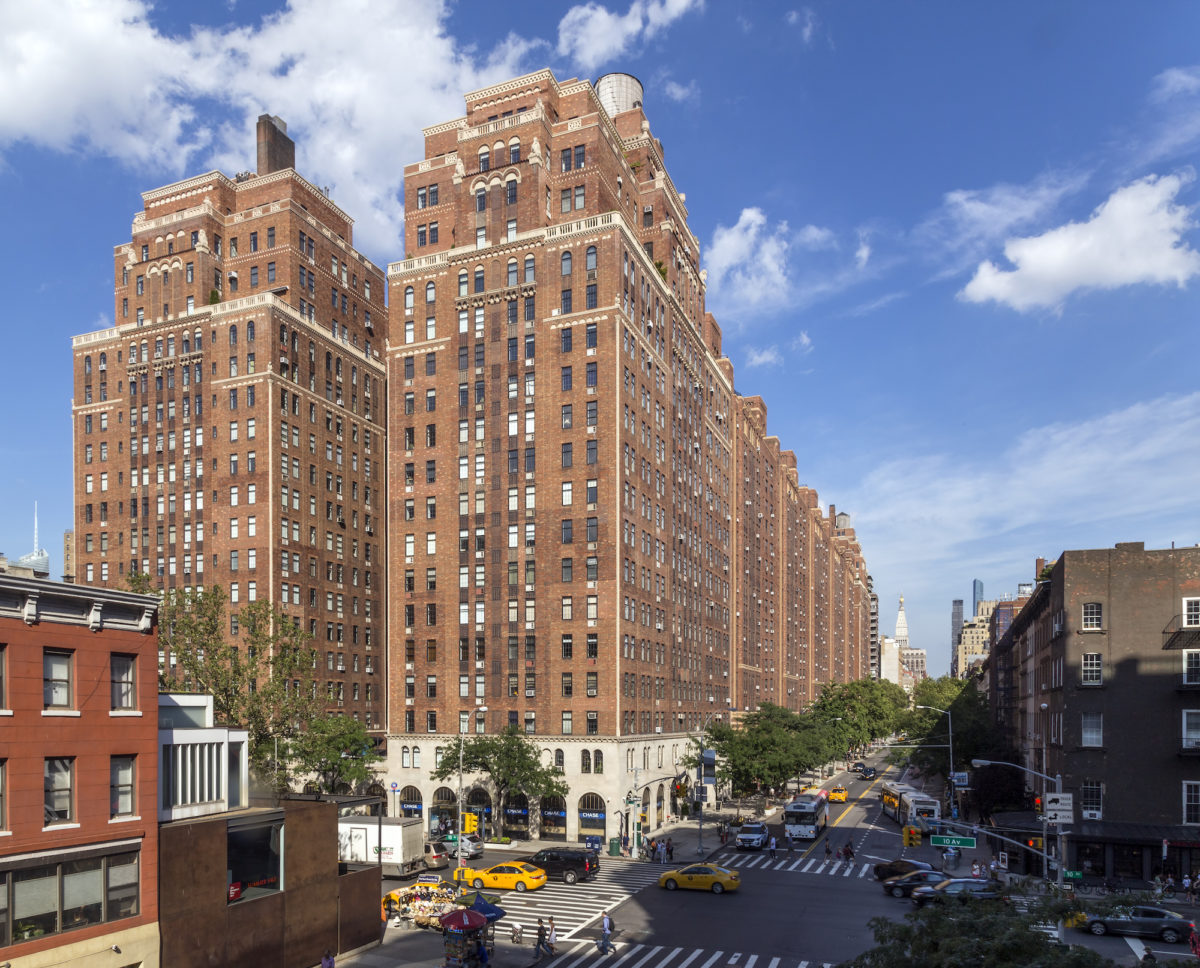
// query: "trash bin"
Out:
[614,846]
[951,858]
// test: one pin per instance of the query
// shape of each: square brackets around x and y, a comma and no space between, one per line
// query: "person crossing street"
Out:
[605,944]
[771,847]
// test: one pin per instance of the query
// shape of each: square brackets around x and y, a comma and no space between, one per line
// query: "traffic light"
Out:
[912,836]
[1037,804]
[1034,843]
[681,788]
[470,823]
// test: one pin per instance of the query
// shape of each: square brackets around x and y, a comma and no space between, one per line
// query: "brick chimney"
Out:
[276,151]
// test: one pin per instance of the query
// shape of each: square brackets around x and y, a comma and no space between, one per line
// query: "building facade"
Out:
[1096,679]
[592,537]
[973,641]
[229,430]
[78,774]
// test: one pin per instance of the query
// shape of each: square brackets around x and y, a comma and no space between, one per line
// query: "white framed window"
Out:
[1191,729]
[1091,729]
[1093,616]
[1091,799]
[120,796]
[1091,671]
[56,679]
[1191,667]
[122,670]
[1191,802]
[1191,613]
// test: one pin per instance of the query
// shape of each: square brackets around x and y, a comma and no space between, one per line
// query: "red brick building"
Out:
[579,495]
[229,430]
[78,774]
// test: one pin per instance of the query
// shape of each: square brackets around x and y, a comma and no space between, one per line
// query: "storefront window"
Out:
[1127,860]
[1090,859]
[253,860]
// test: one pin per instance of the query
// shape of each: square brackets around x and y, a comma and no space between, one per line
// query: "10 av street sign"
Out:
[943,840]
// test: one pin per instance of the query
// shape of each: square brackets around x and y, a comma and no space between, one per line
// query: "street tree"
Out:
[337,752]
[261,678]
[510,762]
[762,751]
[928,731]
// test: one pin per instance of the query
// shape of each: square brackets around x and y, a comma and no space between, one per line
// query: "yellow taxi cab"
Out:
[701,877]
[837,795]
[811,788]
[515,876]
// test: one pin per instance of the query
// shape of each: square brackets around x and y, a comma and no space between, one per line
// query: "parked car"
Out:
[752,836]
[437,856]
[837,794]
[899,865]
[958,888]
[511,875]
[1146,922]
[568,863]
[701,877]
[472,846]
[902,885]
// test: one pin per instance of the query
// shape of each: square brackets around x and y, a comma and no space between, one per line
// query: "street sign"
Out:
[943,840]
[1058,807]
[1073,875]
[959,779]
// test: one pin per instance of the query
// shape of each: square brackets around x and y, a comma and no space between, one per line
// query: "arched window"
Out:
[233,335]
[590,261]
[462,283]
[103,361]
[430,292]
[416,757]
[187,344]
[437,757]
[514,151]
[408,299]
[485,159]
[598,761]
[512,272]
[198,340]
[566,263]
[529,268]
[87,365]
[559,760]
[250,331]
[283,334]
[405,760]
[585,761]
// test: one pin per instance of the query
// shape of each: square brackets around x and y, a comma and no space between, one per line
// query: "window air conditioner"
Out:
[1091,814]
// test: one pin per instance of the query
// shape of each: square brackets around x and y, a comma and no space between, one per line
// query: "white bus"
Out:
[890,793]
[915,806]
[806,816]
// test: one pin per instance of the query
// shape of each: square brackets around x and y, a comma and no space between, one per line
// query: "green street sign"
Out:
[1073,875]
[941,840]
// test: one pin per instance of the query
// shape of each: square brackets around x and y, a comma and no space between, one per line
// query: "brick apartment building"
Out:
[245,376]
[1098,678]
[591,536]
[78,775]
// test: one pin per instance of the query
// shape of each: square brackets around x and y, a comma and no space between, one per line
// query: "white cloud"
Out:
[1136,236]
[1176,81]
[802,343]
[863,253]
[591,34]
[681,92]
[767,356]
[1174,128]
[105,79]
[805,20]
[865,309]
[970,222]
[815,237]
[747,264]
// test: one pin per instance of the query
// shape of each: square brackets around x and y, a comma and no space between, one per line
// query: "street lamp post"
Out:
[950,729]
[1057,778]
[461,743]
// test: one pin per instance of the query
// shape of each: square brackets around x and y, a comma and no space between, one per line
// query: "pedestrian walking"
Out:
[828,852]
[607,927]
[670,851]
[552,937]
[625,844]
[771,847]
[974,868]
[327,959]
[662,851]
[1189,889]
[848,850]
[542,945]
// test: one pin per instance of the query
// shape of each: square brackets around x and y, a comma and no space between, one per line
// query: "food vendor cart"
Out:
[464,934]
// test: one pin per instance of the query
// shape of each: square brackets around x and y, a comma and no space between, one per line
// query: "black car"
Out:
[1148,922]
[858,767]
[568,863]
[903,884]
[958,888]
[894,868]
[869,773]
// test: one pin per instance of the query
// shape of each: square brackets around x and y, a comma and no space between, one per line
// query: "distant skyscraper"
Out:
[976,596]
[956,621]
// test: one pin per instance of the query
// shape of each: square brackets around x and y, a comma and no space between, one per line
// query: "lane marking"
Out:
[708,964]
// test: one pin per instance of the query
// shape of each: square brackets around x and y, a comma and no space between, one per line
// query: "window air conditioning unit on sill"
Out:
[1091,814]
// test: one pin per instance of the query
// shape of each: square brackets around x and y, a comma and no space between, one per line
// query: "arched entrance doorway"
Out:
[443,812]
[411,803]
[659,815]
[516,816]
[380,808]
[592,819]
[554,818]
[481,802]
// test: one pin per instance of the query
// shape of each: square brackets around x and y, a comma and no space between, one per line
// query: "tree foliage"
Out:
[928,731]
[261,681]
[337,751]
[965,934]
[510,762]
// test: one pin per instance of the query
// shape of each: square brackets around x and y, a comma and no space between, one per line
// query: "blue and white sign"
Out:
[591,815]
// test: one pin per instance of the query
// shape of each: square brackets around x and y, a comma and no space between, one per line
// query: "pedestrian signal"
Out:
[470,823]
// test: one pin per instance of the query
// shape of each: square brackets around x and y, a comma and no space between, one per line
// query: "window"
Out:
[120,787]
[566,722]
[585,761]
[593,723]
[56,679]
[565,304]
[1091,797]
[1093,616]
[1191,667]
[1191,729]
[1092,669]
[566,263]
[1191,802]
[1191,612]
[59,775]
[124,687]
[566,378]
[1092,729]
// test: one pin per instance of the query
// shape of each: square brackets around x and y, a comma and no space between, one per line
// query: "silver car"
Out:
[472,847]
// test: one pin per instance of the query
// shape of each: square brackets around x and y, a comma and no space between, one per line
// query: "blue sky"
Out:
[954,245]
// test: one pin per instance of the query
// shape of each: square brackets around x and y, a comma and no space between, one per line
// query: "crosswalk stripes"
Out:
[764,862]
[574,905]
[629,955]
